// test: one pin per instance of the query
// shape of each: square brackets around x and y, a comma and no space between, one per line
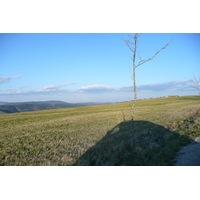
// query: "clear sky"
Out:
[85,67]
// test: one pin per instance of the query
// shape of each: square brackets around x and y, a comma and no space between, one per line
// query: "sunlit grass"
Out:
[62,136]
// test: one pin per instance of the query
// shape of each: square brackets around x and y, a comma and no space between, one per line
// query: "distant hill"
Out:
[38,105]
[2,102]
[36,102]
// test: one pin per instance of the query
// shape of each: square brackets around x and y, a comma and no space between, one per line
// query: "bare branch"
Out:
[141,62]
[195,80]
[132,45]
[195,83]
[128,44]
[134,36]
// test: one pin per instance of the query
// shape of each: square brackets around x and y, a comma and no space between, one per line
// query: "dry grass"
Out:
[66,136]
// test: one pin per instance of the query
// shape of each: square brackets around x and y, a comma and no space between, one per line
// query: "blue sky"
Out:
[84,67]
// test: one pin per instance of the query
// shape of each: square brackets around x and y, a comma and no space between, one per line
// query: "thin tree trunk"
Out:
[133,134]
[133,47]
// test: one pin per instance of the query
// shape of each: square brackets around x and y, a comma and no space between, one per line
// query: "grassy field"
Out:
[100,135]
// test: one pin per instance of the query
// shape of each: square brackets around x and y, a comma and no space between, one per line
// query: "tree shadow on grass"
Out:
[153,145]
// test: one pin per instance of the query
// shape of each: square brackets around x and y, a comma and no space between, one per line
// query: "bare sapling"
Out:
[132,44]
[195,83]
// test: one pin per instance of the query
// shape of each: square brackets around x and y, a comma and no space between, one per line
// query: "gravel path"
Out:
[189,155]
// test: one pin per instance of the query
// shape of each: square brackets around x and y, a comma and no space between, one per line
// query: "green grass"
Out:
[98,135]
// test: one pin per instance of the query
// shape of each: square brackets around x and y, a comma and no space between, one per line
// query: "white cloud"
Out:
[156,87]
[105,93]
[173,85]
[50,89]
[53,87]
[8,78]
[97,89]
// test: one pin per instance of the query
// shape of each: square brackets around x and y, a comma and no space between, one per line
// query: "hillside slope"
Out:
[98,135]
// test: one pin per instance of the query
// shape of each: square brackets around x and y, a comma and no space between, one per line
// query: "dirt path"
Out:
[189,155]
